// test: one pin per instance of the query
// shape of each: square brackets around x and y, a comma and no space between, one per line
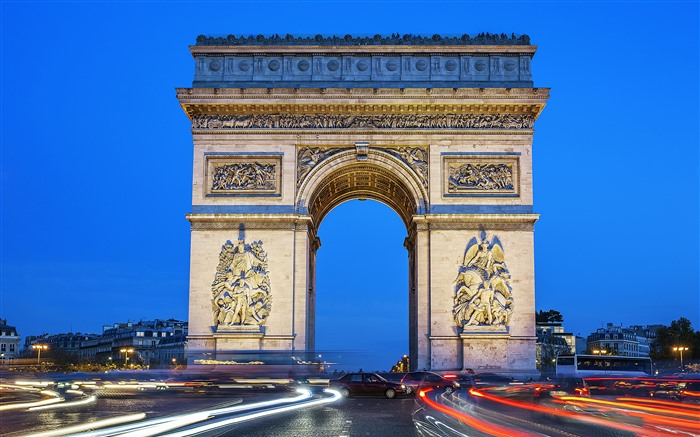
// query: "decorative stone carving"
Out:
[483,294]
[414,157]
[475,175]
[310,157]
[243,175]
[376,40]
[348,121]
[241,288]
[484,177]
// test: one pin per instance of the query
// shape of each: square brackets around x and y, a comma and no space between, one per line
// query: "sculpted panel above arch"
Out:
[396,176]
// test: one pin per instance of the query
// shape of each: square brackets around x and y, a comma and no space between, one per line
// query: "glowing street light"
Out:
[599,351]
[126,353]
[39,347]
[680,349]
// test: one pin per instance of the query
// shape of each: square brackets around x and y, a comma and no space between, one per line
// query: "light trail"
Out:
[88,426]
[652,409]
[66,404]
[653,401]
[164,424]
[480,425]
[226,422]
[55,398]
[575,416]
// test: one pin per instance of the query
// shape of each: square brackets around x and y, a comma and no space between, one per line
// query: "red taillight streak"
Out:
[578,417]
[659,402]
[475,423]
[667,421]
[647,417]
[632,406]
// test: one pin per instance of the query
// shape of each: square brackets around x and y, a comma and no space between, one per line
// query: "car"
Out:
[359,383]
[415,381]
[562,387]
[689,391]
[492,380]
[465,380]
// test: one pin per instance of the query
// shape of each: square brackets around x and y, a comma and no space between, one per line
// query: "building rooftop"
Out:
[355,40]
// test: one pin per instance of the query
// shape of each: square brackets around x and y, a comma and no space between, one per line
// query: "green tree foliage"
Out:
[679,333]
[551,316]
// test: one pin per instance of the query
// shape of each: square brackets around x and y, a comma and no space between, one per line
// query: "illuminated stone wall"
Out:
[273,155]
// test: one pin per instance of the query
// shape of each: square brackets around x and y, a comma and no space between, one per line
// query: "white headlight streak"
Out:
[85,401]
[227,422]
[92,425]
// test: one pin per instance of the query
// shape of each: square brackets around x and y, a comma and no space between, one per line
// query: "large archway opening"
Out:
[371,203]
[361,287]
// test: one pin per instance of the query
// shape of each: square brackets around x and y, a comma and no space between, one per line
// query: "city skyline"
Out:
[97,163]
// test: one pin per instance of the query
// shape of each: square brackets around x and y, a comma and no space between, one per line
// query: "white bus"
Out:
[603,365]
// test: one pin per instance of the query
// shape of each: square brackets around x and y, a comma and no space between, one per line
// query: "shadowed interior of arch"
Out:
[362,181]
[362,287]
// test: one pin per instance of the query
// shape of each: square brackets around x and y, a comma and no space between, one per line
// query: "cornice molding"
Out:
[419,94]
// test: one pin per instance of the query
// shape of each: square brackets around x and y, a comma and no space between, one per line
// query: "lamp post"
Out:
[680,349]
[38,348]
[126,353]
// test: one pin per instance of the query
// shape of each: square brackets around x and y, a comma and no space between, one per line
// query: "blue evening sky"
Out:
[97,155]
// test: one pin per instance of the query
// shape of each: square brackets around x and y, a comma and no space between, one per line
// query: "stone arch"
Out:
[379,176]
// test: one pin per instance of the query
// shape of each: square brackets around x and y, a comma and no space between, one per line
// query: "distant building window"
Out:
[139,334]
[3,347]
[140,342]
[12,348]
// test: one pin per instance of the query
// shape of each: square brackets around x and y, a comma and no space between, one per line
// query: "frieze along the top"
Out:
[486,60]
[376,40]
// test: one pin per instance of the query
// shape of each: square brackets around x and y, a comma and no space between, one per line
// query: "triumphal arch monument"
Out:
[440,129]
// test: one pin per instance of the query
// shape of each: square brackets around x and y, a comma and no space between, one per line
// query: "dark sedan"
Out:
[357,384]
[415,381]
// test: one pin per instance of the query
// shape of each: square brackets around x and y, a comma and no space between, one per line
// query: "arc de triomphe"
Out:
[440,129]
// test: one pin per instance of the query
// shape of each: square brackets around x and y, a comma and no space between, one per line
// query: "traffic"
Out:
[428,403]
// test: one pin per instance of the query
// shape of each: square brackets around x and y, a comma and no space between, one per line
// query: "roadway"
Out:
[285,408]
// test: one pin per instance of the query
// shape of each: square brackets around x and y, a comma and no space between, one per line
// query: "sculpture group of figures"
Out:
[481,177]
[483,294]
[243,176]
[348,121]
[241,287]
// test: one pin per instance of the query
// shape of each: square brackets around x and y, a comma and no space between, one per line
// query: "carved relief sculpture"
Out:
[414,157]
[483,295]
[310,157]
[243,176]
[350,121]
[481,177]
[241,287]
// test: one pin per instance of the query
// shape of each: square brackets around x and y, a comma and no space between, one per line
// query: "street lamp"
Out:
[126,353]
[38,348]
[680,349]
[599,351]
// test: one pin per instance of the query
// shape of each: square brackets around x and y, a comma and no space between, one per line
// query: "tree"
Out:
[679,333]
[550,316]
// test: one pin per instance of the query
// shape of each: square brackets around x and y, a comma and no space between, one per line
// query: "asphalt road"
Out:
[360,416]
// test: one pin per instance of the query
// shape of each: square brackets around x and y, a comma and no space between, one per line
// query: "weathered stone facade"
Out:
[277,145]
